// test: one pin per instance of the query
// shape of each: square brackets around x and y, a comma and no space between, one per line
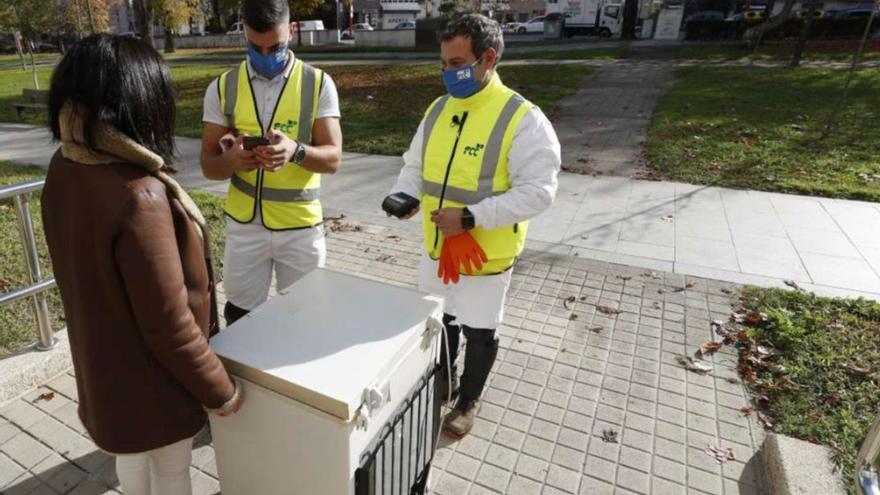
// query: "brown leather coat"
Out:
[130,265]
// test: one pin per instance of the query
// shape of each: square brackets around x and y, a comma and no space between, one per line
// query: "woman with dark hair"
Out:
[131,256]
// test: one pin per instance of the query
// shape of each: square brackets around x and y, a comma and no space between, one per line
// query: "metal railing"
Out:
[20,195]
[868,462]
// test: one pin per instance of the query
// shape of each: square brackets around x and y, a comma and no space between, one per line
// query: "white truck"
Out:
[602,17]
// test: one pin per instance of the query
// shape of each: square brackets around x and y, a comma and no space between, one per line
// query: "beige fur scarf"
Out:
[115,147]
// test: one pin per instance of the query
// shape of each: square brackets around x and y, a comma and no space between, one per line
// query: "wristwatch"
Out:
[299,155]
[467,219]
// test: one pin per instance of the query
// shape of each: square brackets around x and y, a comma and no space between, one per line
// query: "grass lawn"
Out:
[18,327]
[38,57]
[761,128]
[381,105]
[816,50]
[598,54]
[817,375]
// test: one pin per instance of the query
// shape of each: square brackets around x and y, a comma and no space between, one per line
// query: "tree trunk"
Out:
[30,48]
[215,12]
[754,33]
[91,18]
[630,18]
[802,40]
[169,41]
[19,49]
[144,19]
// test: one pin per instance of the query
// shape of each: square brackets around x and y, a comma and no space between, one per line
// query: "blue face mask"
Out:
[462,82]
[268,65]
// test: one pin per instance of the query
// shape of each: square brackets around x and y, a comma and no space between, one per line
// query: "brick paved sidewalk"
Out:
[567,375]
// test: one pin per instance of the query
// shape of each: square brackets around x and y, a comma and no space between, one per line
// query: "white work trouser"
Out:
[162,471]
[475,301]
[253,252]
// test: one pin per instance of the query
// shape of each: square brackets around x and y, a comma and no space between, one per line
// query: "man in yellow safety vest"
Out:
[274,212]
[483,161]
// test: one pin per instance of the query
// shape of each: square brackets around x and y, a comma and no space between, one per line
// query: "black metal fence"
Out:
[399,461]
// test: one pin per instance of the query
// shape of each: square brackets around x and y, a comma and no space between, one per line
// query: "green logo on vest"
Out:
[286,127]
[473,150]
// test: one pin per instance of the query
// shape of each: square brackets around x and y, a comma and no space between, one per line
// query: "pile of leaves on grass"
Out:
[812,365]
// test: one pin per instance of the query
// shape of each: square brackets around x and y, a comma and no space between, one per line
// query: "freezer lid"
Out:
[326,338]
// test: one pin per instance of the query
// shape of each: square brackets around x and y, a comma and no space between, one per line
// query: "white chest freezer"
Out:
[339,390]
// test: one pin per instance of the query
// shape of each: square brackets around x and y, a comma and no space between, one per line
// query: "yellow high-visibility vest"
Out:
[288,198]
[464,160]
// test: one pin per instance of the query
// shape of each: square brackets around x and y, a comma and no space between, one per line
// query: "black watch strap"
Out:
[467,219]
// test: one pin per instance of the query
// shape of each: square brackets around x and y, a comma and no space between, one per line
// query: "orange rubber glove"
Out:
[460,251]
[447,267]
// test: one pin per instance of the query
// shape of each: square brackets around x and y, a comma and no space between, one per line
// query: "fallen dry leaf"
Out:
[653,275]
[46,396]
[609,436]
[656,305]
[395,237]
[763,418]
[596,329]
[621,277]
[832,399]
[794,285]
[721,454]
[694,364]
[573,317]
[746,410]
[710,348]
[858,370]
[608,310]
[727,291]
[753,318]
[568,300]
[667,218]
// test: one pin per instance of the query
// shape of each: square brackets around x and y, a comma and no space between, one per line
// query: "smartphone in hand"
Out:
[251,142]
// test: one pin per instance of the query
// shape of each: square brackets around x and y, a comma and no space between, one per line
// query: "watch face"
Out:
[299,154]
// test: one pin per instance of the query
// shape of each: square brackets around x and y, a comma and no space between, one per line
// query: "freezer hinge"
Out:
[374,398]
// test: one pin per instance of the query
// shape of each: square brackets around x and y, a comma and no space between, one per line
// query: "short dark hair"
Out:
[117,81]
[264,15]
[484,33]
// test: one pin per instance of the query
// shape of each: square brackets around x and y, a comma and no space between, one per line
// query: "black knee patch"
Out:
[480,336]
[233,313]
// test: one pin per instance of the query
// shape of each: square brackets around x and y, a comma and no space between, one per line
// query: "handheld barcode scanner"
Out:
[400,204]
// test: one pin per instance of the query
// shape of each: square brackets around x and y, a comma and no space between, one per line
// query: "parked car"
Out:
[511,27]
[359,27]
[236,29]
[706,15]
[535,25]
[406,25]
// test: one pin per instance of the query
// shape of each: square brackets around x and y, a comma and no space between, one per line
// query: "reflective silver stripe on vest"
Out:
[231,96]
[456,194]
[489,164]
[430,120]
[279,195]
[307,104]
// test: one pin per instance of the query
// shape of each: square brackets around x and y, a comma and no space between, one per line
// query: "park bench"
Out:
[35,100]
